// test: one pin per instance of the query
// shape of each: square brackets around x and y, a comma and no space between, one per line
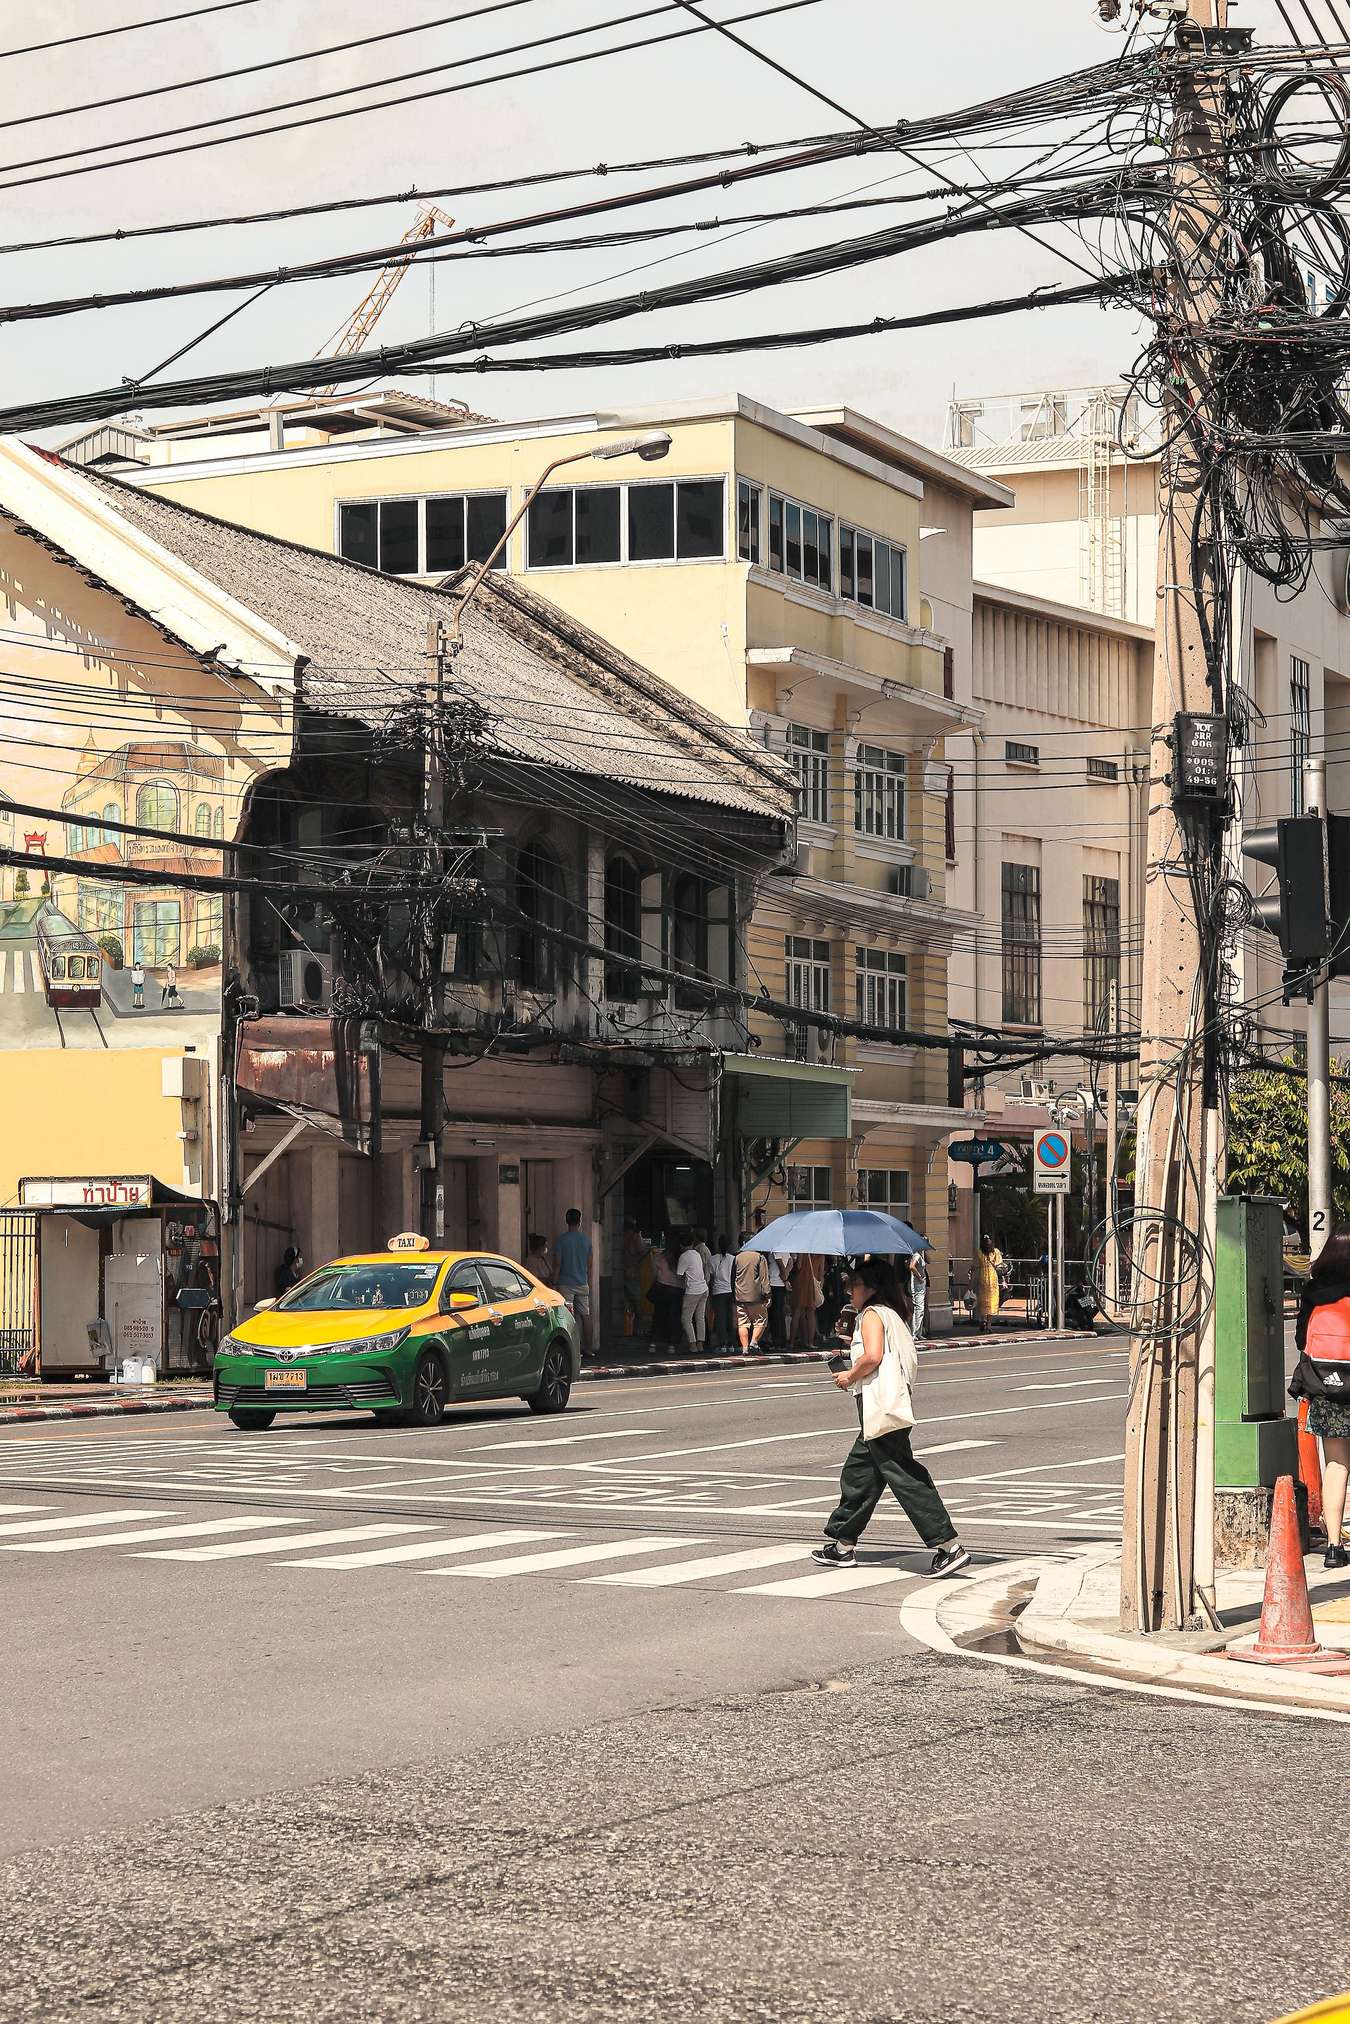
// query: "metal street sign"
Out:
[1050,1164]
[975,1150]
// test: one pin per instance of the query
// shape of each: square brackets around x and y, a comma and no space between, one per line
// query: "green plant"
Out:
[21,884]
[46,885]
[1268,1138]
[203,955]
[112,949]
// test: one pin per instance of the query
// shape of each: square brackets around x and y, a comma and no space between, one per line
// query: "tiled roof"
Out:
[556,694]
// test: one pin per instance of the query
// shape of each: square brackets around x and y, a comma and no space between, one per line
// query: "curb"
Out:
[113,1409]
[1047,1629]
[593,1373]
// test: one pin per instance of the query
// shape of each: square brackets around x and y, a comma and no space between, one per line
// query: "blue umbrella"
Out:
[840,1233]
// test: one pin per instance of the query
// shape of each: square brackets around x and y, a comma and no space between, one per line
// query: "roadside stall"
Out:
[127,1280]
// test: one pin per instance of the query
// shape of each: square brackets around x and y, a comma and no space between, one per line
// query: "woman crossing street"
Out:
[883,1366]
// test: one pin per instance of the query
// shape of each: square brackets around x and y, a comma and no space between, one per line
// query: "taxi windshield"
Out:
[361,1286]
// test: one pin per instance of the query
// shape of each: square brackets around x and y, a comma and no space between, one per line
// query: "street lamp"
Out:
[650,448]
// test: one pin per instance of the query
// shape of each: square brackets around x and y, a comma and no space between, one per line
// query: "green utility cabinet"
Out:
[1254,1440]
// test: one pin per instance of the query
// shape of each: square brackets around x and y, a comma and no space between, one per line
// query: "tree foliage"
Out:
[1268,1139]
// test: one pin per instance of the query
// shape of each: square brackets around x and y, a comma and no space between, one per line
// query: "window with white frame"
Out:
[808,973]
[1101,947]
[873,572]
[810,1187]
[1300,728]
[749,506]
[670,520]
[879,793]
[801,541]
[427,536]
[881,987]
[809,754]
[884,1188]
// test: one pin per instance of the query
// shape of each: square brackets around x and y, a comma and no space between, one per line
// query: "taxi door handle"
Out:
[494,1313]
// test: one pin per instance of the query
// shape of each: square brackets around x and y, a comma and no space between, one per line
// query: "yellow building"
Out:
[806,576]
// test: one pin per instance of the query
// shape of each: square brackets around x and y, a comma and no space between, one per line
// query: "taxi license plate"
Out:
[285,1380]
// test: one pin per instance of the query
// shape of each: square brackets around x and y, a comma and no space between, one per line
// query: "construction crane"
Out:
[372,306]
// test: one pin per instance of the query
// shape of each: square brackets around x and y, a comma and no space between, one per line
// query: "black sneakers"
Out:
[1336,1556]
[835,1553]
[948,1560]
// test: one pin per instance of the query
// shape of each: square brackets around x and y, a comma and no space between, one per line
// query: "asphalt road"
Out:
[554,1718]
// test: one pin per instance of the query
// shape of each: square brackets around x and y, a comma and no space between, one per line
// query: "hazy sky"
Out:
[886,59]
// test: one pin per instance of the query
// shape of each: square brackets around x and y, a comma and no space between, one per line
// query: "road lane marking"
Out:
[699,1570]
[19,984]
[1038,1468]
[1071,1384]
[148,1532]
[3,960]
[570,1556]
[953,1447]
[115,1517]
[834,1581]
[33,965]
[564,1440]
[424,1549]
[238,1548]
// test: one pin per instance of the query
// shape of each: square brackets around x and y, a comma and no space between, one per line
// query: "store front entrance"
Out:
[665,1191]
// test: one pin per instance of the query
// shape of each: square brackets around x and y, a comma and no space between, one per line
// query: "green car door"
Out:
[477,1348]
[518,1330]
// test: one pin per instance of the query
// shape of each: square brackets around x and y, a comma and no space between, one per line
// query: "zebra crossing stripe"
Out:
[833,1581]
[699,1570]
[33,965]
[84,1518]
[570,1556]
[236,1549]
[19,984]
[424,1549]
[135,1538]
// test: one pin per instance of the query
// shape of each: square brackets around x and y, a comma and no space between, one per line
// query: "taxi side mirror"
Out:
[260,1306]
[465,1300]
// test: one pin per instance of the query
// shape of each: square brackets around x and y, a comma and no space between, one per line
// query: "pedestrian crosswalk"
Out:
[391,1547]
[17,967]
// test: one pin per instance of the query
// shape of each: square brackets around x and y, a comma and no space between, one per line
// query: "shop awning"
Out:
[790,1099]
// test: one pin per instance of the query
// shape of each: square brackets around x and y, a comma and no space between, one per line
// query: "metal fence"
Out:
[18,1288]
[1024,1293]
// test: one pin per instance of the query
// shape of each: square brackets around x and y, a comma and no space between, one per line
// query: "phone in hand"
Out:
[837,1363]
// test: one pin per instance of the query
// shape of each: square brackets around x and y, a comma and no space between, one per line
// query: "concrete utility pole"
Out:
[1111,1241]
[432,1125]
[1319,1056]
[1177,1109]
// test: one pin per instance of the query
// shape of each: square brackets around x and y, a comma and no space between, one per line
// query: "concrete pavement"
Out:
[635,1758]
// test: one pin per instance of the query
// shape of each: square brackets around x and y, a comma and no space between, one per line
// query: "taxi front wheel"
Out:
[251,1422]
[429,1393]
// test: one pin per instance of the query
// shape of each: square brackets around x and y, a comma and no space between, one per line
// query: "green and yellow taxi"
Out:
[405,1333]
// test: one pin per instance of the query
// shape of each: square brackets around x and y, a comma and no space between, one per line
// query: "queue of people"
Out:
[684,1293]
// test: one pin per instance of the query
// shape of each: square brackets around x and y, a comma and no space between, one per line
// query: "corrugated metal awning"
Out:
[791,1099]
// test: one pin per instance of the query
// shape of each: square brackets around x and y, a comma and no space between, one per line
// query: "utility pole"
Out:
[433,1007]
[1171,1278]
[1111,1242]
[1319,1054]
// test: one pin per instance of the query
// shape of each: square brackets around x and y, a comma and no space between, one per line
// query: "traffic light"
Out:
[1309,910]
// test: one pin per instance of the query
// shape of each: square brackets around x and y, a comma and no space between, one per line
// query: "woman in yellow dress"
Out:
[986,1279]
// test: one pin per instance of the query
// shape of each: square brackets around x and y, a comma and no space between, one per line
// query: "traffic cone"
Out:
[1286,1636]
[1310,1469]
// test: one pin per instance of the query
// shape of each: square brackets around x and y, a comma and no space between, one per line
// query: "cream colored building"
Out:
[1084,530]
[807,576]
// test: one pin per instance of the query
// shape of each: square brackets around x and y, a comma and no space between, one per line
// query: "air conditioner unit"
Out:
[306,981]
[911,882]
[1036,1092]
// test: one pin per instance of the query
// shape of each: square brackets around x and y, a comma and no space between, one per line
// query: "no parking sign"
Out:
[1050,1163]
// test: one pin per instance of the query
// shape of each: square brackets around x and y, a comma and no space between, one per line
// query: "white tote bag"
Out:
[888,1396]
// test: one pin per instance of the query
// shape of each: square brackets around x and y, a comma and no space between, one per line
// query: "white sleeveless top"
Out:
[886,1401]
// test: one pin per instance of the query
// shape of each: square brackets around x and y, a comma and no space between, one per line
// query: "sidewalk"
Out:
[1074,1614]
[22,1400]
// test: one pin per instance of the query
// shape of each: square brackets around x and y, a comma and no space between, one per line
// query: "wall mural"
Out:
[87,961]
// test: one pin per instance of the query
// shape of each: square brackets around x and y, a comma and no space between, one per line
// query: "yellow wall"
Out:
[79,1113]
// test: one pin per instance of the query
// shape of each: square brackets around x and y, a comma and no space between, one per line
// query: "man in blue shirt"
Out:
[572,1261]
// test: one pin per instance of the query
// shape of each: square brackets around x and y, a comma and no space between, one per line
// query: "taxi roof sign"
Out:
[409,1240]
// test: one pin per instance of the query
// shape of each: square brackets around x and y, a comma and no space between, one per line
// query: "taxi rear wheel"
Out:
[430,1392]
[251,1422]
[555,1385]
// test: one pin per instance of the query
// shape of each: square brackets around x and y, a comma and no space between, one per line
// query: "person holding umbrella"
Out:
[881,1372]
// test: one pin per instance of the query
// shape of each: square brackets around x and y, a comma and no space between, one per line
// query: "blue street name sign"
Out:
[977,1151]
